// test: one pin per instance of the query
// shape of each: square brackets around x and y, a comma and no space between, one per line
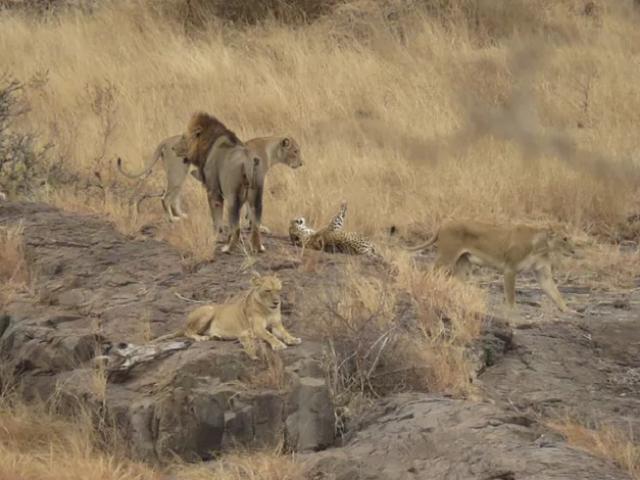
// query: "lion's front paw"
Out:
[294,341]
[278,346]
[226,249]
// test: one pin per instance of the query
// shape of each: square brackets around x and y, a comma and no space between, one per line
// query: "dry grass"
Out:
[407,331]
[400,127]
[35,444]
[115,209]
[193,236]
[266,465]
[606,442]
[605,266]
[449,317]
[38,445]
[14,273]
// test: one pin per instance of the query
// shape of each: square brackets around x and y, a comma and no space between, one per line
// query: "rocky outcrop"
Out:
[413,436]
[82,338]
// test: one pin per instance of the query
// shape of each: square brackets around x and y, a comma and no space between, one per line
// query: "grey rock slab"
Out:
[416,436]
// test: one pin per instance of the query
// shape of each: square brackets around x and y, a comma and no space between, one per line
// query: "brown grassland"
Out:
[605,442]
[38,445]
[14,274]
[520,111]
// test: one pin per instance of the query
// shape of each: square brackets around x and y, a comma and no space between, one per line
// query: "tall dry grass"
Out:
[604,442]
[36,444]
[410,330]
[409,115]
[14,272]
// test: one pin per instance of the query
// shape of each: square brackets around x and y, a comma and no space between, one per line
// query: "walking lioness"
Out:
[246,319]
[510,249]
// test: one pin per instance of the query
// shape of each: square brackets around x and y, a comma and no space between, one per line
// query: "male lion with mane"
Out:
[272,150]
[510,250]
[230,172]
[245,319]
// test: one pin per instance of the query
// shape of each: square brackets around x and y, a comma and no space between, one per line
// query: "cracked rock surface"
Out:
[413,436]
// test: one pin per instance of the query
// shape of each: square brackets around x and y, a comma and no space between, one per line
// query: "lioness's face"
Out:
[180,147]
[268,289]
[562,243]
[293,157]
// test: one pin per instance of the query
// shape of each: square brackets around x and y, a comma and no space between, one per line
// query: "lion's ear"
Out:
[286,142]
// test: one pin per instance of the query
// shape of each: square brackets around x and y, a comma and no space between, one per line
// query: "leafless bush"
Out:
[21,162]
[409,331]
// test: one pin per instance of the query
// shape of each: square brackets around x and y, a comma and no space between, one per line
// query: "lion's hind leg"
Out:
[462,267]
[199,322]
[168,209]
[176,175]
[255,215]
[234,206]
[447,260]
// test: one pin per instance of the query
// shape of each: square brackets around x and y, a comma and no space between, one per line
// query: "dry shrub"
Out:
[404,332]
[22,169]
[604,442]
[356,319]
[14,273]
[449,317]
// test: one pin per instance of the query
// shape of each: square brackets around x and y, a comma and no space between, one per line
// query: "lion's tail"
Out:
[147,169]
[168,336]
[424,245]
[252,175]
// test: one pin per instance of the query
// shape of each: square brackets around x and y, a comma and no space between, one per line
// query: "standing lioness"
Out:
[510,249]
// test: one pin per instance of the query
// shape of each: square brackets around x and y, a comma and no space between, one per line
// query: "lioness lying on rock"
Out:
[245,319]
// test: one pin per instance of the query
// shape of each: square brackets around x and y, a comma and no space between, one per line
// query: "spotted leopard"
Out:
[331,238]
